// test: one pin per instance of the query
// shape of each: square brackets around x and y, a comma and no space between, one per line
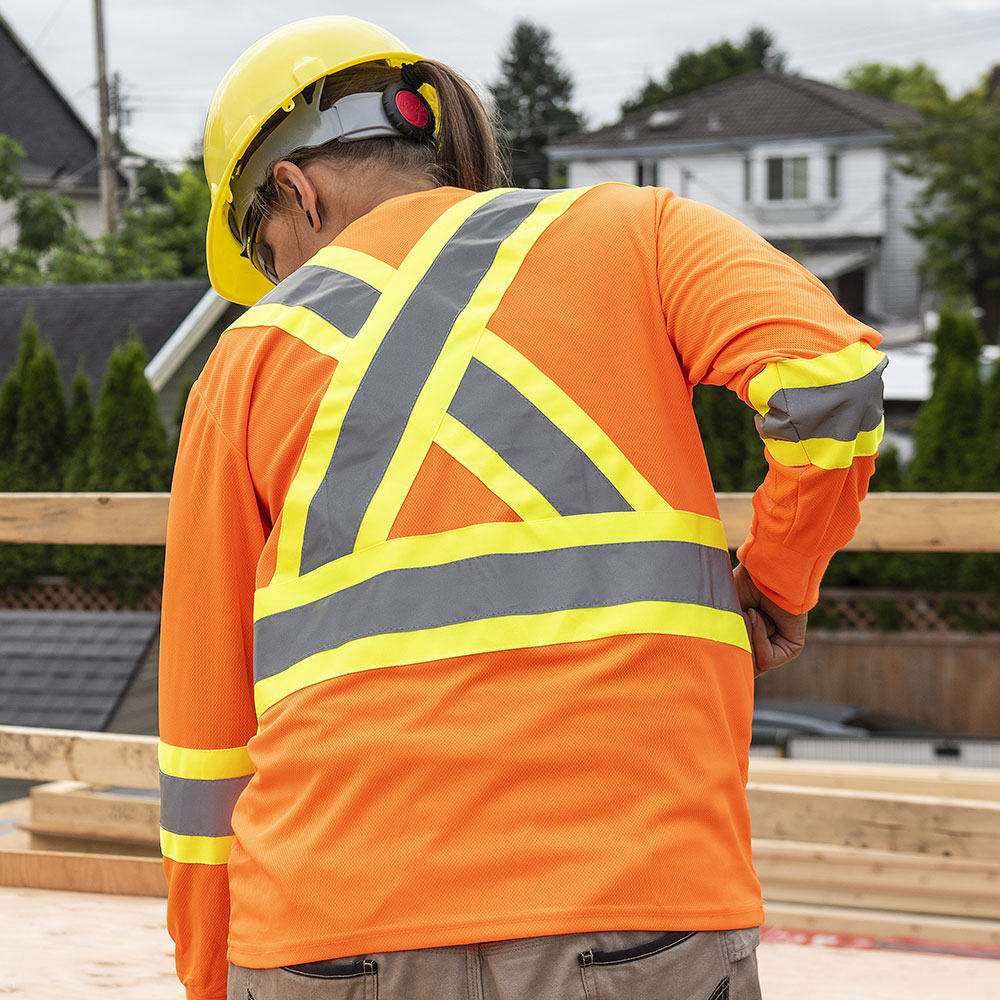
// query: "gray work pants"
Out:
[607,965]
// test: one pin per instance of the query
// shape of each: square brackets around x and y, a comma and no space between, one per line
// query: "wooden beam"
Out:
[932,522]
[879,880]
[921,522]
[68,755]
[881,923]
[79,872]
[67,805]
[884,821]
[907,779]
[84,518]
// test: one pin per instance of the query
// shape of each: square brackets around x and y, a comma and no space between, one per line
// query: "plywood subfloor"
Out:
[79,945]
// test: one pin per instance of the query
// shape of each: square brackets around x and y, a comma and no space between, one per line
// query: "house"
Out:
[86,322]
[807,165]
[61,150]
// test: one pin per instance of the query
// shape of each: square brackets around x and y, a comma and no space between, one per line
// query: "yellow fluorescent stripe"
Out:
[333,408]
[359,265]
[484,463]
[484,539]
[309,327]
[573,421]
[851,363]
[195,850]
[510,632]
[180,762]
[825,453]
[448,371]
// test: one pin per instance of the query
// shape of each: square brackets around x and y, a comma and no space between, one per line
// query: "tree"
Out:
[733,448]
[693,69]
[37,445]
[955,151]
[161,238]
[917,84]
[128,454]
[10,399]
[533,100]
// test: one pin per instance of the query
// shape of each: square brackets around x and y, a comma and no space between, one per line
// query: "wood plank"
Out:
[928,522]
[79,872]
[84,518]
[62,804]
[68,755]
[881,923]
[879,880]
[933,522]
[908,779]
[884,821]
[96,840]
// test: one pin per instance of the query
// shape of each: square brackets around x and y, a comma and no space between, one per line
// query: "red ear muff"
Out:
[409,112]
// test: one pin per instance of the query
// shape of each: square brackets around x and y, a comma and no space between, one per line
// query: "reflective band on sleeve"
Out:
[527,440]
[838,412]
[826,453]
[341,299]
[195,850]
[184,762]
[199,808]
[495,586]
[380,407]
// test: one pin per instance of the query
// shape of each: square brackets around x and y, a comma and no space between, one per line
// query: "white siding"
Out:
[583,173]
[901,253]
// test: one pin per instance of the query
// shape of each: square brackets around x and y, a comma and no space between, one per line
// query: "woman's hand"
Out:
[776,635]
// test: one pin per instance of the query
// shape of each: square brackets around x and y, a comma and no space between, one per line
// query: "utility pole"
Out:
[105,151]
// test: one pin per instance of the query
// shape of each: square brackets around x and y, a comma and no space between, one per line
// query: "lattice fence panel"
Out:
[59,594]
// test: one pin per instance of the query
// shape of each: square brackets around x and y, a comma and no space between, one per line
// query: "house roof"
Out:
[88,321]
[69,669]
[756,106]
[57,142]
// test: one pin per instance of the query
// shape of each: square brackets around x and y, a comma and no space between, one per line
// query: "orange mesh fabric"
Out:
[590,785]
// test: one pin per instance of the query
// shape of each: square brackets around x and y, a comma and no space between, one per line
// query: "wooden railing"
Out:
[860,848]
[922,522]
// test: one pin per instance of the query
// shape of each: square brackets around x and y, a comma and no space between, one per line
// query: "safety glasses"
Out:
[258,252]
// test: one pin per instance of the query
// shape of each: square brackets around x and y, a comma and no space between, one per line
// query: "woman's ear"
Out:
[299,190]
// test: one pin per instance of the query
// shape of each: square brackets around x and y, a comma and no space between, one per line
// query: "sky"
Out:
[171,54]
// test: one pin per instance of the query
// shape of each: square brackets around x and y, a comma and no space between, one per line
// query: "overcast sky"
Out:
[171,54]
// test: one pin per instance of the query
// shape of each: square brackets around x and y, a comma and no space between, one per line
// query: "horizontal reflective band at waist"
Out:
[199,808]
[837,412]
[495,586]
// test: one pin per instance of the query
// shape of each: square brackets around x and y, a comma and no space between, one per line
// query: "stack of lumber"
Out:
[896,851]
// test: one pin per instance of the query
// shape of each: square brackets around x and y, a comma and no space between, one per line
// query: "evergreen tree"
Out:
[693,70]
[533,100]
[72,560]
[129,453]
[37,447]
[733,448]
[10,398]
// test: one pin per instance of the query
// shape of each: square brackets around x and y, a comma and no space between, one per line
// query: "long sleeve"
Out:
[214,539]
[740,313]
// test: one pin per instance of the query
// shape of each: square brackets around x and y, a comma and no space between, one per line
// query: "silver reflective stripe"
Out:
[195,807]
[496,585]
[530,443]
[381,406]
[839,411]
[341,299]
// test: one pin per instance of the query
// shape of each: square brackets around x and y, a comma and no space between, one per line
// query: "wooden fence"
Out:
[856,848]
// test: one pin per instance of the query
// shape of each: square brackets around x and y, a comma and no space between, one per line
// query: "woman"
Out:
[456,677]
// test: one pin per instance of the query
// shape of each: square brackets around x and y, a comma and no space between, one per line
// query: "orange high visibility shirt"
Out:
[555,789]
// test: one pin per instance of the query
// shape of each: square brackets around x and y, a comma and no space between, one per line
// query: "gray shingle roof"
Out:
[755,106]
[32,111]
[87,321]
[69,669]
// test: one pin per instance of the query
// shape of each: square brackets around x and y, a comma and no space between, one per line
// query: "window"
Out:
[787,178]
[833,176]
[646,173]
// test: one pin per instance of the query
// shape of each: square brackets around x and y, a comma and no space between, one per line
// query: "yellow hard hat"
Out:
[265,79]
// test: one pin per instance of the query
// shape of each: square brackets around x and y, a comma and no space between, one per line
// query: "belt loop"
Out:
[586,958]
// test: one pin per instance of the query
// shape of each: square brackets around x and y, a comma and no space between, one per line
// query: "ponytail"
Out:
[467,152]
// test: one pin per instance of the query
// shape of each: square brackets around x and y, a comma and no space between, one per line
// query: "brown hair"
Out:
[465,154]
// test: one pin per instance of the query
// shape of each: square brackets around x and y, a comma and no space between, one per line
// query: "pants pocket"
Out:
[336,979]
[686,965]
